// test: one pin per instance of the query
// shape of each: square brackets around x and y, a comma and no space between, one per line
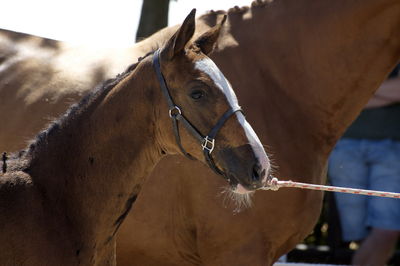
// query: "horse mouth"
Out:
[237,187]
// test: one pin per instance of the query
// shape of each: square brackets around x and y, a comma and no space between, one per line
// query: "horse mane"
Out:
[96,94]
[211,16]
[261,3]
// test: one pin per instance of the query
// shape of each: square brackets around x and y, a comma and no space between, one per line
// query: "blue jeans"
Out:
[366,164]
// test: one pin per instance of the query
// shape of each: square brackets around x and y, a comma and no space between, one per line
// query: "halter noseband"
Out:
[175,113]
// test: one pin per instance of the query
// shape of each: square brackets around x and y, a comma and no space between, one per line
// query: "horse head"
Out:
[208,123]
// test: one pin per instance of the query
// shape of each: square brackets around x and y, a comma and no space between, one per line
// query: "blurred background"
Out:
[104,22]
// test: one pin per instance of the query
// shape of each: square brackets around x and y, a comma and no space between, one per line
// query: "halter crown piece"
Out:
[175,113]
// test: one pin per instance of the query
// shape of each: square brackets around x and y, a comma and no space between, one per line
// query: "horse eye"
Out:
[197,94]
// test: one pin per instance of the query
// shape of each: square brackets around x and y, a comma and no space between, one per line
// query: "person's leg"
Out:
[347,168]
[383,213]
[377,248]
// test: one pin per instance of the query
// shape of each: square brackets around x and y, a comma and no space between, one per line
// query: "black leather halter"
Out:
[207,142]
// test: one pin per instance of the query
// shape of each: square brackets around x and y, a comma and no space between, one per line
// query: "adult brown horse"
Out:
[313,65]
[64,198]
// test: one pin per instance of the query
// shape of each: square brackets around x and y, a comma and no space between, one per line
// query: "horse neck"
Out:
[90,166]
[324,59]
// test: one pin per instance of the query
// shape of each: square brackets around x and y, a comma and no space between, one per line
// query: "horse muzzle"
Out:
[244,169]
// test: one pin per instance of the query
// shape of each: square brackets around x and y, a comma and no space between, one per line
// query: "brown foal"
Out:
[64,198]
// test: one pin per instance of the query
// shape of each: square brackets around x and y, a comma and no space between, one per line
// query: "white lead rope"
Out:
[275,184]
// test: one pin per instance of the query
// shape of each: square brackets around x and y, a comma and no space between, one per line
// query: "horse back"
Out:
[40,78]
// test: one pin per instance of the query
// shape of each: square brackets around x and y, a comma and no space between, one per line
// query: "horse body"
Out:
[21,210]
[41,78]
[312,66]
[59,206]
[64,197]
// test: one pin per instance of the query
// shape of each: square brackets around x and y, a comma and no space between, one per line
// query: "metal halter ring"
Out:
[176,113]
[208,144]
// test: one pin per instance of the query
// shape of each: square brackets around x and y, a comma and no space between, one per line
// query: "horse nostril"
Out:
[258,172]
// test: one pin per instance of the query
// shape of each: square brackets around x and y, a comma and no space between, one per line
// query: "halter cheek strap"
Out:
[175,113]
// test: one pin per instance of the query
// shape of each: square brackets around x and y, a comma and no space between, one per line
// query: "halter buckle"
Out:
[208,144]
[174,111]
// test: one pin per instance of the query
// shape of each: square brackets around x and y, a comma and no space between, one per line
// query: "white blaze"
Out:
[207,66]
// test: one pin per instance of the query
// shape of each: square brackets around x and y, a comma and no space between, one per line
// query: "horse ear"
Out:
[206,42]
[177,42]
